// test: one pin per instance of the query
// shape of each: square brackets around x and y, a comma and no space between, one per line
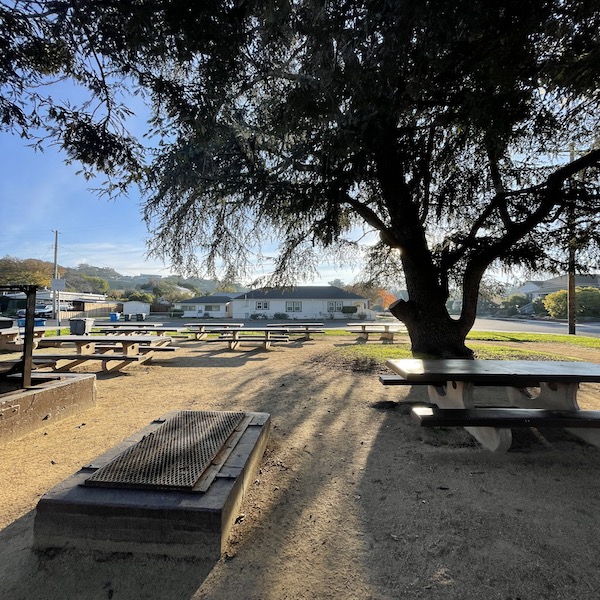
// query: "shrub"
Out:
[556,304]
[281,316]
[257,316]
[349,310]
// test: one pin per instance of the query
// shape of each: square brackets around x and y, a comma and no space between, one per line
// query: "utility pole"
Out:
[55,292]
[571,292]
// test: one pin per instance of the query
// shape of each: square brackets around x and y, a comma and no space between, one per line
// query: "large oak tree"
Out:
[435,124]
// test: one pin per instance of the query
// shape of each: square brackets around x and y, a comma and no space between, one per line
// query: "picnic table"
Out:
[140,325]
[201,330]
[551,403]
[12,338]
[114,351]
[305,329]
[265,336]
[135,330]
[386,331]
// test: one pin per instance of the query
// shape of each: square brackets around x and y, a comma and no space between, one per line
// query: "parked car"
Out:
[43,311]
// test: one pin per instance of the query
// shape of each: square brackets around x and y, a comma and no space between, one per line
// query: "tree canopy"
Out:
[441,126]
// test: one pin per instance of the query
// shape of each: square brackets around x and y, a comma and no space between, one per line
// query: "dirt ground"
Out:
[352,500]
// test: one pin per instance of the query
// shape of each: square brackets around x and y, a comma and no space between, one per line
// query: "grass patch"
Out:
[488,352]
[547,338]
[372,357]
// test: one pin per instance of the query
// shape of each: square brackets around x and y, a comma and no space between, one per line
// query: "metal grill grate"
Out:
[174,457]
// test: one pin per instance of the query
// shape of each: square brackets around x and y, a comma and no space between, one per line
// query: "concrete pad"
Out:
[51,397]
[180,524]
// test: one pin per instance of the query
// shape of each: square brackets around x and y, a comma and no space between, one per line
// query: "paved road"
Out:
[518,325]
[526,326]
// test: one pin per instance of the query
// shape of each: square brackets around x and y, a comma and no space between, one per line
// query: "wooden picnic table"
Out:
[552,402]
[201,330]
[114,351]
[386,331]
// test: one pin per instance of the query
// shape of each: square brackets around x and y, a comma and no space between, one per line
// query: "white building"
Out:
[540,289]
[302,302]
[135,307]
[205,306]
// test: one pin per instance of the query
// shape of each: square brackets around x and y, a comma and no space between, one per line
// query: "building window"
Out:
[212,307]
[334,306]
[293,306]
[262,305]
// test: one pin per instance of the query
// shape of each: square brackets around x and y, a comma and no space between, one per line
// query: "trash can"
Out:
[127,316]
[81,326]
[114,317]
[140,316]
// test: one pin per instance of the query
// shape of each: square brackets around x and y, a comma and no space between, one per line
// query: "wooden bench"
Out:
[64,362]
[431,416]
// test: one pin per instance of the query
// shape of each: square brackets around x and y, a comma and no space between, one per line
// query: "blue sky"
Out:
[40,194]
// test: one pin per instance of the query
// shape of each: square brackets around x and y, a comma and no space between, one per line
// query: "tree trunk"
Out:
[431,330]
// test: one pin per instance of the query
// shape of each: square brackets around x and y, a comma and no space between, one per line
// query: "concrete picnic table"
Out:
[11,338]
[263,335]
[386,330]
[135,330]
[102,347]
[140,325]
[201,330]
[538,392]
[305,328]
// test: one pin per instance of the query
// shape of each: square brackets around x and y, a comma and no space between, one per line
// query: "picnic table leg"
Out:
[554,396]
[459,394]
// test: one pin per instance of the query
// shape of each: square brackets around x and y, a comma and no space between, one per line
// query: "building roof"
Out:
[207,300]
[305,292]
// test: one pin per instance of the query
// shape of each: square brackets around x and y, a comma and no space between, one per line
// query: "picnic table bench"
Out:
[104,348]
[450,385]
[386,331]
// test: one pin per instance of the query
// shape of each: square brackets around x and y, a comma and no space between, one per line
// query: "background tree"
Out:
[314,123]
[587,302]
[513,303]
[138,296]
[76,281]
[28,271]
[556,304]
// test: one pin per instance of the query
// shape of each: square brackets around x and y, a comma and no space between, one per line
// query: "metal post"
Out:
[571,292]
[30,292]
